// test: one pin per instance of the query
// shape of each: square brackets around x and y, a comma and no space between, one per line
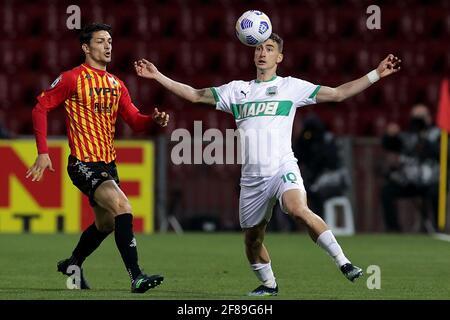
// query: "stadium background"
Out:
[326,42]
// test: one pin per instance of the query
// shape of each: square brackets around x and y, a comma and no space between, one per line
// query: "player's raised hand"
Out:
[160,118]
[145,69]
[388,66]
[37,169]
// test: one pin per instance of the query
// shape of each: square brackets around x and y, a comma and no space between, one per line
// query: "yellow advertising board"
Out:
[54,204]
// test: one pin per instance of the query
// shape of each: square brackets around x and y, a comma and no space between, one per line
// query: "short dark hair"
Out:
[89,29]
[275,37]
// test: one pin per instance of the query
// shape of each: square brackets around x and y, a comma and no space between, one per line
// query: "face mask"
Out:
[417,124]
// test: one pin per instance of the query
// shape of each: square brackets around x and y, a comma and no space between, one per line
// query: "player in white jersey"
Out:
[264,111]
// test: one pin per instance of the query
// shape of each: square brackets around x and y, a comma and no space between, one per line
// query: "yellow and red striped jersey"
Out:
[92,99]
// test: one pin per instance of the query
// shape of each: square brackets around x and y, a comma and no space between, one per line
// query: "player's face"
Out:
[267,55]
[100,47]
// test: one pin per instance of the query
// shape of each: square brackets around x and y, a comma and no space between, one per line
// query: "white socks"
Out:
[328,242]
[264,273]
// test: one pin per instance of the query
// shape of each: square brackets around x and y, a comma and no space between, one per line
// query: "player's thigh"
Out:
[255,207]
[294,201]
[88,176]
[104,220]
[290,190]
[111,198]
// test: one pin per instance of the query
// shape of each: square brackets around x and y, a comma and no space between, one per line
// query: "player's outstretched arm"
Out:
[146,69]
[386,67]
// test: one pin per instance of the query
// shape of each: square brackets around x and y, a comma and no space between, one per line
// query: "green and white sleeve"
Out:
[222,96]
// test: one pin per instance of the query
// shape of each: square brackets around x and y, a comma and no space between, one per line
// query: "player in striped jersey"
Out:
[93,98]
[264,111]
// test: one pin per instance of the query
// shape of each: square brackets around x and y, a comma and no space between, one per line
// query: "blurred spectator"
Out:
[4,133]
[323,175]
[411,167]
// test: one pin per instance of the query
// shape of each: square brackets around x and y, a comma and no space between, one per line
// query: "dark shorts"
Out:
[88,176]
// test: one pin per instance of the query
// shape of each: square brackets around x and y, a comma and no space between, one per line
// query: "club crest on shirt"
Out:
[271,91]
[57,80]
[112,81]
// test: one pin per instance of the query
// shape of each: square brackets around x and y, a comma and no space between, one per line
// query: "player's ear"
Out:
[85,48]
[280,57]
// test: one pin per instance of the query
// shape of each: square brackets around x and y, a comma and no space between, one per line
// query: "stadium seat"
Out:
[5,91]
[8,22]
[219,59]
[9,57]
[170,22]
[168,57]
[391,20]
[127,20]
[296,24]
[25,88]
[30,20]
[212,22]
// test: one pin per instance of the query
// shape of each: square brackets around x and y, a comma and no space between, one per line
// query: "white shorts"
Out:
[259,194]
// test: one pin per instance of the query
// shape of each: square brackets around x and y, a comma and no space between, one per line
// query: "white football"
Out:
[253,28]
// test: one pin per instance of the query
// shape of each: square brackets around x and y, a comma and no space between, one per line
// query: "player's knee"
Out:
[121,205]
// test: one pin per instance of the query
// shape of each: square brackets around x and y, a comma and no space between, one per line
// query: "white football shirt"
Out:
[264,113]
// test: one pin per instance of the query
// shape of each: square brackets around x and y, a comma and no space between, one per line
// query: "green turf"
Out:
[213,266]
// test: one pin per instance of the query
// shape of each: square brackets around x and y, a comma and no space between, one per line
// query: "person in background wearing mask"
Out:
[411,168]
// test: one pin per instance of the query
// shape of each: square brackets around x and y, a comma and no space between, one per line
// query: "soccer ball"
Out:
[253,28]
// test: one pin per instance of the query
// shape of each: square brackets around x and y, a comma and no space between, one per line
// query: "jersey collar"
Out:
[271,79]
[101,72]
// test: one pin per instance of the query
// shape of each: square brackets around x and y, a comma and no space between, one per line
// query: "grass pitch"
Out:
[213,266]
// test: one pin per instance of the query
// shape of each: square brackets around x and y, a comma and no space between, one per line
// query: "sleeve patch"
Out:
[54,83]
